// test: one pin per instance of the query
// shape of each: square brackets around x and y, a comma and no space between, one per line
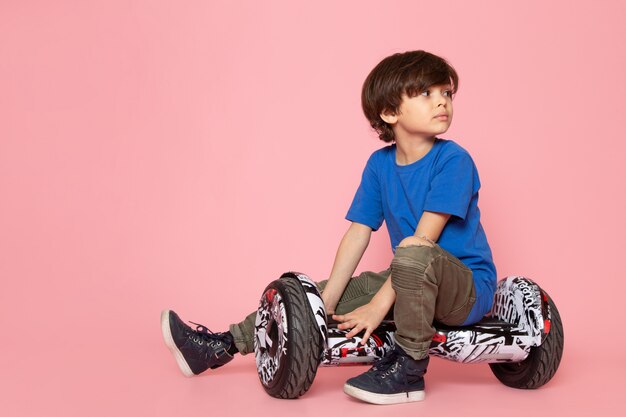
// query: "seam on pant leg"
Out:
[355,289]
[421,306]
[426,266]
[353,304]
[405,270]
[432,277]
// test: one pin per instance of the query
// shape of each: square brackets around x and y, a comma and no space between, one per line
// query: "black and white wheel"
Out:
[542,361]
[288,344]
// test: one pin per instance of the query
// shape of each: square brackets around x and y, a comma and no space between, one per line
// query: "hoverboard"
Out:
[521,338]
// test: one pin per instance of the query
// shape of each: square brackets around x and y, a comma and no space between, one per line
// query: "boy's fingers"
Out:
[342,317]
[348,324]
[366,337]
[354,331]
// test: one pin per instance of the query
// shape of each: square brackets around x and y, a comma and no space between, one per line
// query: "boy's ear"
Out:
[389,117]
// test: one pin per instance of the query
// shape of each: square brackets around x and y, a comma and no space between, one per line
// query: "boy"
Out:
[426,190]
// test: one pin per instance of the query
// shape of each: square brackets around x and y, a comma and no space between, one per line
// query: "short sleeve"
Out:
[367,205]
[452,187]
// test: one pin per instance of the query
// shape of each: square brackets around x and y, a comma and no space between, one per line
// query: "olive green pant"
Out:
[430,284]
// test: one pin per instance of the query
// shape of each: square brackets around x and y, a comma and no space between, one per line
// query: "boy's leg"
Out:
[430,284]
[358,292]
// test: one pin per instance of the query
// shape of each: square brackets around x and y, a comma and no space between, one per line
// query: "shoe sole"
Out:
[374,398]
[169,342]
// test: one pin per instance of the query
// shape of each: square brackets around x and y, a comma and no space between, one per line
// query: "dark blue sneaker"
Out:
[195,350]
[396,378]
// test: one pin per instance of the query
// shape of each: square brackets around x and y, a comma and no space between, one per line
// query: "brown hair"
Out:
[407,73]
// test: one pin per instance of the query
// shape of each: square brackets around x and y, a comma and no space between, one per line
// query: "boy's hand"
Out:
[366,317]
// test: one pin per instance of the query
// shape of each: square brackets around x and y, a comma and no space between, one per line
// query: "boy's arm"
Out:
[430,226]
[349,254]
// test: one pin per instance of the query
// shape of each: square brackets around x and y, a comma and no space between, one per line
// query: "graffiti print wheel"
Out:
[542,361]
[287,344]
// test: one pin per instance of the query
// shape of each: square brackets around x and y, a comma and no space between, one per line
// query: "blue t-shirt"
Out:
[445,180]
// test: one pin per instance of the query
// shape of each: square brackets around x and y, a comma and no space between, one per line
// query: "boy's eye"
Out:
[445,93]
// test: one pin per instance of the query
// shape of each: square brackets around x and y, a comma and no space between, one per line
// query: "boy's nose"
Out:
[441,100]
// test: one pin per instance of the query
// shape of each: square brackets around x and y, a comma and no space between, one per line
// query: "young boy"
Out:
[426,190]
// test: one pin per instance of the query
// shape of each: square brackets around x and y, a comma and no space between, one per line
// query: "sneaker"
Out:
[394,379]
[195,350]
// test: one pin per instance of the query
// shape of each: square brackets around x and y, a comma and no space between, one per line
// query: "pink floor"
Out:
[116,364]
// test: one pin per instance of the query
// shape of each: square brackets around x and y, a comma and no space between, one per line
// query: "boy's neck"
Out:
[412,150]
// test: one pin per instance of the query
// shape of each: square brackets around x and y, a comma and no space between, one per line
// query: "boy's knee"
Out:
[409,265]
[415,241]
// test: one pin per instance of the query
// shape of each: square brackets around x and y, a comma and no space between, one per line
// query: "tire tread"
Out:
[303,357]
[542,361]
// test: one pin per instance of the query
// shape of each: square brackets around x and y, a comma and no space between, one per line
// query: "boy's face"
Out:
[426,115]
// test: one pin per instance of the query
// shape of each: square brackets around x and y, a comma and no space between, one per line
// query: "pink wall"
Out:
[160,154]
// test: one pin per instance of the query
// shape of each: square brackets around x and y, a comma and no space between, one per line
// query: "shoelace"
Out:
[384,363]
[205,335]
[387,365]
